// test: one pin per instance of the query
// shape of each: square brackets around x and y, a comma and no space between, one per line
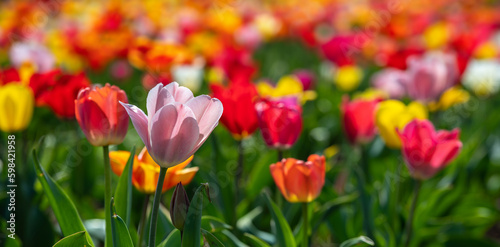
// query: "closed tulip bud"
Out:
[179,207]
[280,122]
[100,116]
[300,181]
[16,104]
[427,151]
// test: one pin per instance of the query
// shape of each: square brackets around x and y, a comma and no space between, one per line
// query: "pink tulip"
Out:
[426,151]
[431,75]
[392,81]
[177,123]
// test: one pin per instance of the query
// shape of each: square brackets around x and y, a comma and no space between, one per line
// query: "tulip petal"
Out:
[140,122]
[181,94]
[118,160]
[94,122]
[183,176]
[207,112]
[157,98]
[278,174]
[298,187]
[174,133]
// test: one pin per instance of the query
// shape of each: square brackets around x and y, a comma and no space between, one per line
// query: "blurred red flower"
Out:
[358,117]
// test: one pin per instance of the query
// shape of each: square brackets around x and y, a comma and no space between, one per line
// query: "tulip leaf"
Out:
[255,241]
[121,235]
[284,235]
[357,241]
[213,224]
[211,239]
[173,239]
[75,239]
[123,192]
[192,227]
[64,209]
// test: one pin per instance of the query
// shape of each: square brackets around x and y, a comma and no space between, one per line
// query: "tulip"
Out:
[287,86]
[16,104]
[240,116]
[392,115]
[426,151]
[175,128]
[431,75]
[348,77]
[305,77]
[179,207]
[300,181]
[177,123]
[453,96]
[392,81]
[482,77]
[358,118]
[280,122]
[102,120]
[145,171]
[31,53]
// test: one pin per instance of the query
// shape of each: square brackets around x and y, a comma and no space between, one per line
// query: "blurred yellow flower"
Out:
[451,97]
[371,93]
[486,50]
[286,86]
[436,35]
[16,104]
[394,114]
[348,77]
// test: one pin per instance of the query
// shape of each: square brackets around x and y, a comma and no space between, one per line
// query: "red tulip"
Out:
[426,151]
[240,116]
[58,91]
[9,75]
[359,119]
[100,116]
[300,181]
[280,121]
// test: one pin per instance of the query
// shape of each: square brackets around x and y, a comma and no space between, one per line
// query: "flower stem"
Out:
[239,171]
[361,176]
[409,223]
[107,195]
[305,224]
[143,220]
[156,205]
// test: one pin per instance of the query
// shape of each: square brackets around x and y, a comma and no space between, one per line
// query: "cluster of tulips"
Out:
[322,103]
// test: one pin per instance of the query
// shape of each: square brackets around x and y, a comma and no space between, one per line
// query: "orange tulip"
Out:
[300,181]
[145,171]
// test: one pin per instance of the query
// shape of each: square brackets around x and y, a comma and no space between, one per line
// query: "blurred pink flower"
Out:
[426,150]
[177,123]
[392,81]
[306,77]
[36,54]
[431,75]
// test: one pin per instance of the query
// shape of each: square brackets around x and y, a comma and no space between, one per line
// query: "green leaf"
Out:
[284,235]
[211,239]
[213,224]
[255,241]
[173,239]
[64,209]
[357,241]
[192,234]
[75,239]
[121,236]
[123,192]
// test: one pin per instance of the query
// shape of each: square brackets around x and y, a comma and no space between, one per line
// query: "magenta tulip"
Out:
[280,121]
[177,123]
[426,151]
[392,81]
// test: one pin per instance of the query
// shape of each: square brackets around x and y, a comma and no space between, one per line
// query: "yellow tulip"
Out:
[449,98]
[392,115]
[348,78]
[286,86]
[16,107]
[436,35]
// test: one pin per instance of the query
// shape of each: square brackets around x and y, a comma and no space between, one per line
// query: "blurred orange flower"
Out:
[145,171]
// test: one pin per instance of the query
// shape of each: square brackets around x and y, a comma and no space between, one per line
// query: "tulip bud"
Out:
[179,206]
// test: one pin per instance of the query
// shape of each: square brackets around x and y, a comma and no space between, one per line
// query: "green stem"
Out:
[107,195]
[239,169]
[143,220]
[409,223]
[364,195]
[280,155]
[156,205]
[305,225]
